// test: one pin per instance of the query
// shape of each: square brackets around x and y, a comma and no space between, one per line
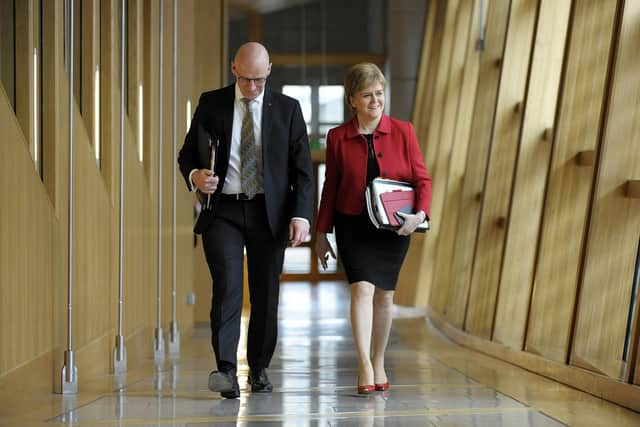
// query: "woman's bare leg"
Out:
[382,304]
[361,325]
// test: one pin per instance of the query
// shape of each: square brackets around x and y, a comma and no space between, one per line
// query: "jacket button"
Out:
[380,154]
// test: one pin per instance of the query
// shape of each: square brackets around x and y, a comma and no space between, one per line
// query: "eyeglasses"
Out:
[258,81]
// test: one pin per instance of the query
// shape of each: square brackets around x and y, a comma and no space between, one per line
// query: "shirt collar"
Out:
[239,95]
[383,127]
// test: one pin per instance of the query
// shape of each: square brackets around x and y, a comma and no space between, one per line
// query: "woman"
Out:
[371,144]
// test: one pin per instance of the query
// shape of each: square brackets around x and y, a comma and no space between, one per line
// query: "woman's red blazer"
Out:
[399,158]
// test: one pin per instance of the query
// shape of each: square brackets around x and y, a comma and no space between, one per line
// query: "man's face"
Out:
[251,77]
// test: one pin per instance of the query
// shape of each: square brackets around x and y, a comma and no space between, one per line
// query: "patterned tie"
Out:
[250,155]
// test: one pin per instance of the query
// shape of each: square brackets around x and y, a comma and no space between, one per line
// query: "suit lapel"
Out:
[228,116]
[266,121]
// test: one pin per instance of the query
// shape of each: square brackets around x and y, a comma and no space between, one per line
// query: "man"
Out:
[261,195]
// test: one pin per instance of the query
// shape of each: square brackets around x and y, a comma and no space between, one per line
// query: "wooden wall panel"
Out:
[419,264]
[426,62]
[441,129]
[26,250]
[210,75]
[570,183]
[110,96]
[24,45]
[426,244]
[139,279]
[187,91]
[531,174]
[33,252]
[614,227]
[435,69]
[7,60]
[93,231]
[464,79]
[407,284]
[497,194]
[476,166]
[90,35]
[167,166]
[150,75]
[578,238]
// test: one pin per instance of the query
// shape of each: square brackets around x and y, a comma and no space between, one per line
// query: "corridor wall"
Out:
[530,130]
[34,194]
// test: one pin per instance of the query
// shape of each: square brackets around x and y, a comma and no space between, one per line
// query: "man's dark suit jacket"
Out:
[288,176]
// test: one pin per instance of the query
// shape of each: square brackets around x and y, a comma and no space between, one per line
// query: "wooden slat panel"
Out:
[444,122]
[95,221]
[531,175]
[26,250]
[490,65]
[209,75]
[497,194]
[615,219]
[33,249]
[415,289]
[632,189]
[569,187]
[598,385]
[437,10]
[426,61]
[464,75]
[24,45]
[88,60]
[441,129]
[7,50]
[189,90]
[408,284]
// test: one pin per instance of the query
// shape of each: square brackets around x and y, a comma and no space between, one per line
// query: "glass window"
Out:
[331,99]
[332,263]
[324,129]
[296,260]
[7,49]
[303,94]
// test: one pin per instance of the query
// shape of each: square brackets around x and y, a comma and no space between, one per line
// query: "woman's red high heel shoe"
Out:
[366,389]
[382,387]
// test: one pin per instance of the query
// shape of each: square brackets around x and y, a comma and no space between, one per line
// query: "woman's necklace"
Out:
[365,129]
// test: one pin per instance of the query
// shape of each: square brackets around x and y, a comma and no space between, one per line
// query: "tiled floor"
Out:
[314,371]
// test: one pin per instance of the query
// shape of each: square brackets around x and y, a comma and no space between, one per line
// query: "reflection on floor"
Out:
[314,371]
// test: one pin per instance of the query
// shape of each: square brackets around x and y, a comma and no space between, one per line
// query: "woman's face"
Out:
[369,102]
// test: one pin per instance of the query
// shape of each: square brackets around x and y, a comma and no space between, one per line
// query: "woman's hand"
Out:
[411,222]
[323,249]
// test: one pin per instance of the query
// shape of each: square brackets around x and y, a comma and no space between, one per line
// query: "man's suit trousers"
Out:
[240,224]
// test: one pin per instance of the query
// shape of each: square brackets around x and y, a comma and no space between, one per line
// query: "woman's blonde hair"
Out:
[360,76]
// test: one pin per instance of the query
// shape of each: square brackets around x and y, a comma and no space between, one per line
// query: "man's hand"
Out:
[323,249]
[411,222]
[298,231]
[205,181]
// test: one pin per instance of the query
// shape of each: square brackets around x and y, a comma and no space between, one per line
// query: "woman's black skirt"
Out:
[368,253]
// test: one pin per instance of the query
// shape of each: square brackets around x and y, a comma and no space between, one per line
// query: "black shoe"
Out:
[259,381]
[226,383]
